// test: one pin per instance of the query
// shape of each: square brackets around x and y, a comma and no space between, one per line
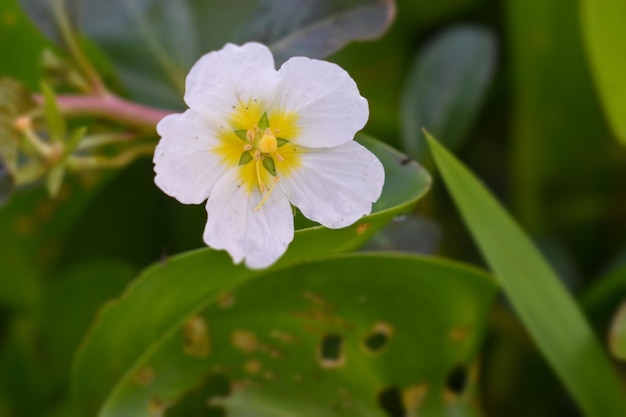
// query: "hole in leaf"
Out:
[378,339]
[457,380]
[331,351]
[390,400]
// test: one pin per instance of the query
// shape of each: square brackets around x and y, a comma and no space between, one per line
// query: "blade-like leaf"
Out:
[541,301]
[303,337]
[604,33]
[446,86]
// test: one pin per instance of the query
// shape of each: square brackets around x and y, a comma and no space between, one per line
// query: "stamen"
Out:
[250,135]
[247,147]
[258,171]
[279,157]
[267,195]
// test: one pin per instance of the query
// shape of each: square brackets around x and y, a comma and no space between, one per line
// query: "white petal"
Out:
[186,167]
[327,102]
[232,76]
[260,237]
[335,187]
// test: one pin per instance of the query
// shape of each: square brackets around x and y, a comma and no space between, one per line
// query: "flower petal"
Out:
[233,76]
[260,237]
[185,166]
[326,101]
[335,187]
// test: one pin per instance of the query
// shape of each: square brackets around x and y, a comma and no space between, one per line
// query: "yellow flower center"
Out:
[259,143]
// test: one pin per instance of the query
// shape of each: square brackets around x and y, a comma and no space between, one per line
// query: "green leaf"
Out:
[406,182]
[269,165]
[57,128]
[74,140]
[54,180]
[604,33]
[264,122]
[246,157]
[539,298]
[318,29]
[281,141]
[299,355]
[617,336]
[446,87]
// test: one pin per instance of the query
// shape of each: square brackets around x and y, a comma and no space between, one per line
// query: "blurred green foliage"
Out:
[528,94]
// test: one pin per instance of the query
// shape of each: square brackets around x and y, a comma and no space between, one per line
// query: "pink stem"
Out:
[110,107]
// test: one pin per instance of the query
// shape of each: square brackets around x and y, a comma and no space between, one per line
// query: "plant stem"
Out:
[111,107]
[118,161]
[103,139]
[69,36]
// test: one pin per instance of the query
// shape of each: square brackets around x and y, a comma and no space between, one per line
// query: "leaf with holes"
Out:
[308,339]
[446,87]
[180,288]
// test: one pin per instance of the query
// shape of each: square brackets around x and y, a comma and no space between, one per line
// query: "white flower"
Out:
[256,141]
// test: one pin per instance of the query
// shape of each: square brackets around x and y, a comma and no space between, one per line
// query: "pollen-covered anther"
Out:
[250,135]
[268,142]
[247,147]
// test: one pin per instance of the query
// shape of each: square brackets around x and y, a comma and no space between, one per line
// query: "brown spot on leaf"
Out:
[225,300]
[252,367]
[458,334]
[245,341]
[362,228]
[282,336]
[197,342]
[144,376]
[413,397]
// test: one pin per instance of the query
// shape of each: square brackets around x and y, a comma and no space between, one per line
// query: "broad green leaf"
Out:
[294,340]
[542,303]
[604,33]
[617,336]
[446,86]
[405,183]
[318,29]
